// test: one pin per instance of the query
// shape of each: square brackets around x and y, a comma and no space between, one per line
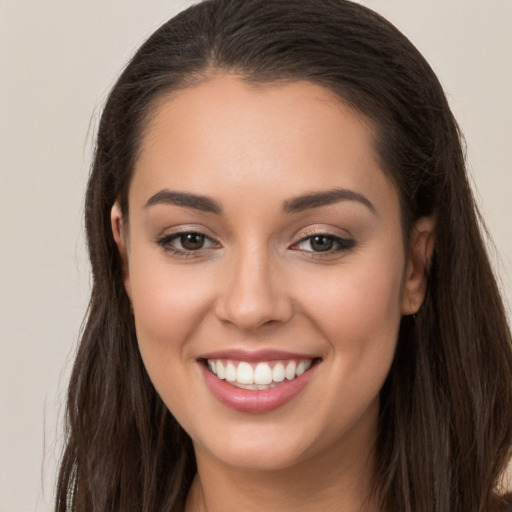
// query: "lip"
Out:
[255,401]
[256,356]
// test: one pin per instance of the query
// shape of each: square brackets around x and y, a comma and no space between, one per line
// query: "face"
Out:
[266,267]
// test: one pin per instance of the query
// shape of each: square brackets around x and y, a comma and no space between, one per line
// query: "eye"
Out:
[186,242]
[324,244]
[319,243]
[192,241]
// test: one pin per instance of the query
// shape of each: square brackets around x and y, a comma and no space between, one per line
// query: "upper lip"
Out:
[255,356]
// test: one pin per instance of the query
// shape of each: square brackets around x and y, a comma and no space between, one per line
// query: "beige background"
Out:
[58,59]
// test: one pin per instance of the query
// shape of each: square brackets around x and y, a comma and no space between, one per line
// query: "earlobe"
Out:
[421,249]
[120,237]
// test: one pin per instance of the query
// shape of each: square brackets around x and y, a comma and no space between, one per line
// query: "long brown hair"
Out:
[445,428]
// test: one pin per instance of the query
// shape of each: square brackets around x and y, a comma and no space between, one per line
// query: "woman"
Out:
[292,305]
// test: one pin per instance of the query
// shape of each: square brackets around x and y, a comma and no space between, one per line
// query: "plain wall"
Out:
[58,59]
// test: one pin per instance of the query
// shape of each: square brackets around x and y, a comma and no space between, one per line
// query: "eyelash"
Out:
[343,244]
[166,243]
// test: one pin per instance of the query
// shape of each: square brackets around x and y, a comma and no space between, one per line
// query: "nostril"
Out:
[252,295]
[252,312]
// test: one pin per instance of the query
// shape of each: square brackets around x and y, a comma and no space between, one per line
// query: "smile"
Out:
[257,382]
[260,376]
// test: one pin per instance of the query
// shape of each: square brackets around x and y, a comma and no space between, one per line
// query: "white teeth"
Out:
[278,372]
[290,370]
[263,376]
[245,373]
[221,372]
[230,372]
[301,368]
[253,387]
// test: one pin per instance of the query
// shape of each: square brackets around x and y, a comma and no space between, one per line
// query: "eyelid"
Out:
[345,243]
[165,241]
[326,231]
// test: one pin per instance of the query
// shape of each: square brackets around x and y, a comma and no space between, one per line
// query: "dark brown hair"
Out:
[445,427]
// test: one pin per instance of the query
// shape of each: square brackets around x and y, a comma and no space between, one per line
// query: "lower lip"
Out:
[255,401]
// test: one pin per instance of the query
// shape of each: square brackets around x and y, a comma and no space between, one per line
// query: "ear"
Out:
[421,248]
[121,237]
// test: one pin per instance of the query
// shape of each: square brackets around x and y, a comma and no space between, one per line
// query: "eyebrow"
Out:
[317,199]
[203,203]
[294,205]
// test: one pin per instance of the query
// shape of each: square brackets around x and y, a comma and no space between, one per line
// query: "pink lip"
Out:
[255,356]
[255,401]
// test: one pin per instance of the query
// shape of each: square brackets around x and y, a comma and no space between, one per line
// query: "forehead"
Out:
[225,135]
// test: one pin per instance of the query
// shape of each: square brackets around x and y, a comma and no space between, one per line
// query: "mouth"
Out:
[258,376]
[257,382]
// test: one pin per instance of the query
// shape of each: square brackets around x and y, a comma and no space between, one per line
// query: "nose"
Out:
[252,293]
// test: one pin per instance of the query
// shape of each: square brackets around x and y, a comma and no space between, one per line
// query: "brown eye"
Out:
[192,241]
[324,244]
[321,243]
[186,243]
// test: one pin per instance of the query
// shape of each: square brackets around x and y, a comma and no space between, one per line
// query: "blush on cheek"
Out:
[361,298]
[168,301]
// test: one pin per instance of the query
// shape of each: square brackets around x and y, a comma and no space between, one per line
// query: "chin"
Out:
[257,452]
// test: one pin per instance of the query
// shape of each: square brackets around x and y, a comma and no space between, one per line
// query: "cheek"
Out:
[358,313]
[357,300]
[169,302]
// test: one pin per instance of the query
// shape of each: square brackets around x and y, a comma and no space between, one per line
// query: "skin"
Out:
[258,283]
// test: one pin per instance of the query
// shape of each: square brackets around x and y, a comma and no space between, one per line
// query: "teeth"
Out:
[230,372]
[301,368]
[278,372]
[221,372]
[263,376]
[244,374]
[289,373]
[247,386]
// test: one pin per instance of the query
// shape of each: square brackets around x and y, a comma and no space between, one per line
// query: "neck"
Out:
[335,481]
